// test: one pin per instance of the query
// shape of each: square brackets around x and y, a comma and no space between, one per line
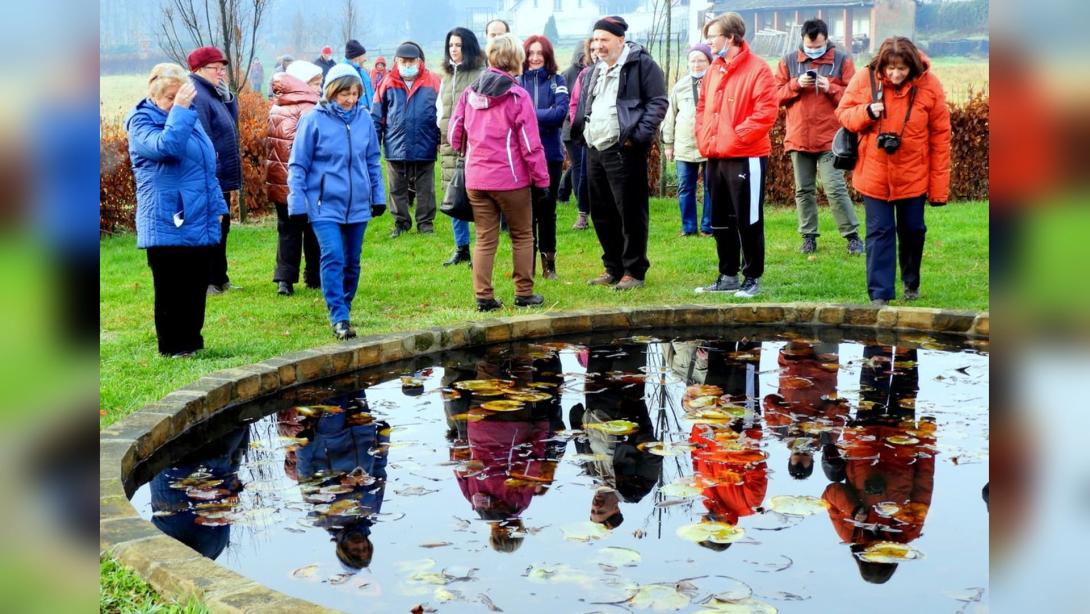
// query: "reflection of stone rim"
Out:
[176,571]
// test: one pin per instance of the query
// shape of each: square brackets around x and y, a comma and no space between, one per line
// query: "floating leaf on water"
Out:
[359,419]
[482,384]
[340,578]
[702,402]
[795,383]
[886,508]
[319,497]
[902,440]
[715,532]
[684,488]
[748,605]
[487,601]
[201,482]
[797,505]
[436,544]
[346,507]
[914,512]
[414,491]
[409,381]
[889,552]
[468,417]
[299,441]
[659,597]
[336,489]
[503,405]
[584,531]
[357,477]
[726,588]
[306,571]
[614,427]
[529,397]
[543,385]
[662,448]
[642,339]
[618,557]
[218,521]
[443,595]
[459,574]
[206,494]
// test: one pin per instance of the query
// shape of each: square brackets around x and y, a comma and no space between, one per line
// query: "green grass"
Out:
[121,590]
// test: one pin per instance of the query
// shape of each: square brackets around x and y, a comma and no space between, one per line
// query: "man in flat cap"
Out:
[622,103]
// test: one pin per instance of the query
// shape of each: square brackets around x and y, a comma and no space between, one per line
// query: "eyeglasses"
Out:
[215,68]
[713,37]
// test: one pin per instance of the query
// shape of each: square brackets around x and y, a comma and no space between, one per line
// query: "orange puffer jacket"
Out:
[922,164]
[291,100]
[737,107]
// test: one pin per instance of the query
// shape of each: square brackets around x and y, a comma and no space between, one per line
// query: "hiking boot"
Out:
[343,330]
[605,279]
[751,287]
[534,300]
[460,255]
[548,265]
[396,232]
[911,294]
[855,246]
[723,283]
[628,282]
[580,222]
[284,288]
[809,244]
[488,304]
[879,302]
[214,289]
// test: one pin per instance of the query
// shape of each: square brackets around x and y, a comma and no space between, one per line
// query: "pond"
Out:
[799,471]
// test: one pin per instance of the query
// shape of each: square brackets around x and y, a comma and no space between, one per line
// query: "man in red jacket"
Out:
[811,80]
[735,112]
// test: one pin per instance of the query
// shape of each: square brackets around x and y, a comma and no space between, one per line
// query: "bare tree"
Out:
[229,25]
[348,26]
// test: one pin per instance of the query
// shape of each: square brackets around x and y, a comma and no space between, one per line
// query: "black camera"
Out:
[889,142]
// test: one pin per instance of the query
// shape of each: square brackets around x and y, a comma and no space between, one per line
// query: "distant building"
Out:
[574,18]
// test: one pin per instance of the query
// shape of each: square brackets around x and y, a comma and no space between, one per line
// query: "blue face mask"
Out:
[409,72]
[814,54]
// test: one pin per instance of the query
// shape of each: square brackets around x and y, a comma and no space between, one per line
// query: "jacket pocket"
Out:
[321,191]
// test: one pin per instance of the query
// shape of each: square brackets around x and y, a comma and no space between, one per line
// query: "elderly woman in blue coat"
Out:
[334,177]
[179,205]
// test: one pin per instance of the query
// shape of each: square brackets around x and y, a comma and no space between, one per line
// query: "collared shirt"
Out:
[603,129]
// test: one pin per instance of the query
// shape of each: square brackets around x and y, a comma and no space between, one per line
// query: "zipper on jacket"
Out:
[348,205]
[321,191]
[510,158]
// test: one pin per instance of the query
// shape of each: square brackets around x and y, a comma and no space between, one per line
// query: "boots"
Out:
[460,255]
[548,265]
[580,222]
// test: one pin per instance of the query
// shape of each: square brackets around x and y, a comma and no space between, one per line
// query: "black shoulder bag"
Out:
[845,142]
[455,199]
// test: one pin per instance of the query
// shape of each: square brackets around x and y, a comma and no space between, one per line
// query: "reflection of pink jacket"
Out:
[504,150]
[506,449]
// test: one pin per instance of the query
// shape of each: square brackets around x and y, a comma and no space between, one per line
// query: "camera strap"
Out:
[908,113]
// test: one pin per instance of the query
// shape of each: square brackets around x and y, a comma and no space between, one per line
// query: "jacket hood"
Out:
[149,108]
[291,90]
[577,58]
[635,50]
[491,85]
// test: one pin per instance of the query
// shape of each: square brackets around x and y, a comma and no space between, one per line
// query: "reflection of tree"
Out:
[198,515]
[883,468]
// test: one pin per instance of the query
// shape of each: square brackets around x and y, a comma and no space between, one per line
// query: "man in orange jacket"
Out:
[735,112]
[811,80]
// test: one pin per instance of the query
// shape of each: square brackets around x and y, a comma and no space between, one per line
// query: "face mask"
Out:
[723,52]
[698,75]
[814,54]
[409,72]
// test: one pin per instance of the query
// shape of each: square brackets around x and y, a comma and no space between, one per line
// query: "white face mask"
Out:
[698,75]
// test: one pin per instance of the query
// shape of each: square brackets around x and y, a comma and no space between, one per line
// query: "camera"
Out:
[889,142]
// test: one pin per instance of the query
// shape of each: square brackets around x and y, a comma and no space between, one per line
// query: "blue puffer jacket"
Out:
[368,95]
[550,96]
[175,169]
[220,122]
[334,173]
[405,120]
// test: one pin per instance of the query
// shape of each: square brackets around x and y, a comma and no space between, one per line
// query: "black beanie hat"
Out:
[614,24]
[353,49]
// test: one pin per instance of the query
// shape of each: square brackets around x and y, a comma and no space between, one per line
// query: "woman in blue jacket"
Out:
[549,92]
[334,178]
[179,205]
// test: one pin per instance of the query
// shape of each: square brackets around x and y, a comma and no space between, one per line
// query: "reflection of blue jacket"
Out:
[175,169]
[368,95]
[334,173]
[220,122]
[550,96]
[405,120]
[339,447]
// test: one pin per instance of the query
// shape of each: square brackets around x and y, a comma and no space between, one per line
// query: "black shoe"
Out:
[343,330]
[460,255]
[809,245]
[548,265]
[911,294]
[855,246]
[396,232]
[723,283]
[751,287]
[534,300]
[488,304]
[214,289]
[425,231]
[284,288]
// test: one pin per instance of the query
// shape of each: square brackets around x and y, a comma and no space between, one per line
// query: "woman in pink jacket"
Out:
[504,156]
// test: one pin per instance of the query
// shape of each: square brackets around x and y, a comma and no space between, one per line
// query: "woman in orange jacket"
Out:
[897,108]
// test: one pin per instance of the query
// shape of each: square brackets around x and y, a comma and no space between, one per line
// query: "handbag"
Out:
[456,200]
[846,143]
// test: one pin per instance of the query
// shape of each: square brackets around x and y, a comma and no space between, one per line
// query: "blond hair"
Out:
[505,53]
[730,24]
[163,76]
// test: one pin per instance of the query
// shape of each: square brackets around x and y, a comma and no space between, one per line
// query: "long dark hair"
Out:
[546,50]
[898,48]
[472,58]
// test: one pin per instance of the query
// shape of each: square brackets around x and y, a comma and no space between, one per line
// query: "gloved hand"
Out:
[378,209]
[938,204]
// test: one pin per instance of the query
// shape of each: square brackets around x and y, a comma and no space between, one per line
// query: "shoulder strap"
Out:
[873,85]
[838,63]
[908,113]
[794,69]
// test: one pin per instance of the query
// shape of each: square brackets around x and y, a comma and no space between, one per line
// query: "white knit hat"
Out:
[304,70]
[338,71]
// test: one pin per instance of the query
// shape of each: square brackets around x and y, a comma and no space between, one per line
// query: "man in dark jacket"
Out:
[326,61]
[218,111]
[404,115]
[622,102]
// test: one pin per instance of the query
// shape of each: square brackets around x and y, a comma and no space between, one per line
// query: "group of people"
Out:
[515,117]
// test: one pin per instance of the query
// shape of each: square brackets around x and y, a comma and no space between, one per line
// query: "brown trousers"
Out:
[515,206]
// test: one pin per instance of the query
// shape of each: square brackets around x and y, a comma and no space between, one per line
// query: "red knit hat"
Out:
[327,50]
[203,56]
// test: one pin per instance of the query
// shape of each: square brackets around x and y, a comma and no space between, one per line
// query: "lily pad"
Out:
[618,557]
[306,571]
[665,597]
[684,488]
[614,427]
[666,448]
[529,397]
[889,552]
[748,605]
[797,505]
[715,532]
[585,531]
[902,440]
[503,405]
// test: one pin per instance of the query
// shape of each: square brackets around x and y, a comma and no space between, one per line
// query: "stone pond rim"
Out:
[176,571]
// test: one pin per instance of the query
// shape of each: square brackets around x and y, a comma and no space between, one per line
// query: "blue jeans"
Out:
[461,232]
[341,245]
[686,194]
[887,223]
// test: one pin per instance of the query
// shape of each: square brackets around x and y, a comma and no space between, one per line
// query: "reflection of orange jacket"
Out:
[811,113]
[737,478]
[737,107]
[922,163]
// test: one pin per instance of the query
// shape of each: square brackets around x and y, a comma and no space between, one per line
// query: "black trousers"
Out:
[180,278]
[295,239]
[738,221]
[217,265]
[617,180]
[544,203]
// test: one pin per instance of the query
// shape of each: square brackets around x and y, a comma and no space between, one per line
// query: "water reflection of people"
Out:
[175,510]
[615,391]
[883,468]
[806,410]
[727,459]
[346,449]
